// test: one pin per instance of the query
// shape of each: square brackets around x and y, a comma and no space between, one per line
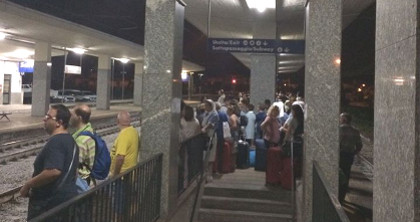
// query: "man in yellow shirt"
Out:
[124,152]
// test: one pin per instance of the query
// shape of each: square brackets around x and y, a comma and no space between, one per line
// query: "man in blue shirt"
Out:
[54,178]
[259,118]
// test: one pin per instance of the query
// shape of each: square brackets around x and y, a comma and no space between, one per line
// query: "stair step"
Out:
[260,192]
[216,215]
[245,204]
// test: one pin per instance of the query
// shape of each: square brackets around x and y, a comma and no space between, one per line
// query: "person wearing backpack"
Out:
[80,117]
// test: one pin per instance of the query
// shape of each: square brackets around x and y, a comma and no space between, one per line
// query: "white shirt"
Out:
[189,129]
[250,127]
[221,99]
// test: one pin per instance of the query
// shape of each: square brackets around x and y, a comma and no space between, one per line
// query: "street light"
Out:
[79,51]
[123,61]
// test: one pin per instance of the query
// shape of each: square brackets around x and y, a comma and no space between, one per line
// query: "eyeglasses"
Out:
[48,116]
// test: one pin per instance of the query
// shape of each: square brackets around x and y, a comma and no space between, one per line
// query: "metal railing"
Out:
[132,196]
[325,205]
[190,160]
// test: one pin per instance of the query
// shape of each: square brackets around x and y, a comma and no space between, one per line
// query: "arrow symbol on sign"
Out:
[286,50]
[265,43]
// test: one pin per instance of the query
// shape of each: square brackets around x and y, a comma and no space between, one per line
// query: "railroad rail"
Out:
[9,195]
[29,140]
[103,130]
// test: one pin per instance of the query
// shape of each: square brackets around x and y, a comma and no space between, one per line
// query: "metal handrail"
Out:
[325,205]
[99,189]
[202,176]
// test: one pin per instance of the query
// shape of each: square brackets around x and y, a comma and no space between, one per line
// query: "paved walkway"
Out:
[21,114]
[21,118]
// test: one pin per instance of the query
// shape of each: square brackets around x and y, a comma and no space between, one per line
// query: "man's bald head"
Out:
[83,111]
[124,118]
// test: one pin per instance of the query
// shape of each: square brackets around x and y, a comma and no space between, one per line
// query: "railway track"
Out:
[11,194]
[21,152]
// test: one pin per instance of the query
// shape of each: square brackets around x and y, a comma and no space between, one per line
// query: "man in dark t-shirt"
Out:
[54,177]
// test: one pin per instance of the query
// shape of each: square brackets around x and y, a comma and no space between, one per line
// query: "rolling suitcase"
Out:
[251,157]
[286,174]
[242,158]
[260,155]
[227,158]
[274,166]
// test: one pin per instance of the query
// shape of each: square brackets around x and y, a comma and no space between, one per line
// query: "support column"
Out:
[263,65]
[396,184]
[42,79]
[162,91]
[103,85]
[263,78]
[138,81]
[322,92]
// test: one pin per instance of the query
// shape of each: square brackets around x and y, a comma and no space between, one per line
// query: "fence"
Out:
[190,160]
[326,206]
[132,196]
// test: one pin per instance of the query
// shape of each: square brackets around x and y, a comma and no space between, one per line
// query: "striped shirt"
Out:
[86,150]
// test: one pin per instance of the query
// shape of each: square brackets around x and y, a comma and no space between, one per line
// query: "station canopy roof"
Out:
[121,33]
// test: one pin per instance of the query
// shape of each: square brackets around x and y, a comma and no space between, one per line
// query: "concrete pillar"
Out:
[263,78]
[41,80]
[103,85]
[396,184]
[162,91]
[263,65]
[138,81]
[322,95]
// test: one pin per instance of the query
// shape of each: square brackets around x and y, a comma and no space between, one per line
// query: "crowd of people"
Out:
[277,123]
[67,165]
[70,163]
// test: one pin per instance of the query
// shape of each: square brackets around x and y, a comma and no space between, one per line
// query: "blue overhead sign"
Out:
[256,45]
[27,66]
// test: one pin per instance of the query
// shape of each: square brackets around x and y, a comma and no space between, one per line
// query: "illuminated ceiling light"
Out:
[20,53]
[293,3]
[184,75]
[359,90]
[261,5]
[124,60]
[2,35]
[77,50]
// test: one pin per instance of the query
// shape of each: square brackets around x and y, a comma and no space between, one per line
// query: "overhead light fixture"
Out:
[184,75]
[124,60]
[293,3]
[261,5]
[77,50]
[20,53]
[2,35]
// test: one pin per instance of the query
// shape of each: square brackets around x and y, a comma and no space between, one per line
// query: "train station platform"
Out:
[20,115]
[21,119]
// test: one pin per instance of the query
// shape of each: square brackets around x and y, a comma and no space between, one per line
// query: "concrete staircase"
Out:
[243,197]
